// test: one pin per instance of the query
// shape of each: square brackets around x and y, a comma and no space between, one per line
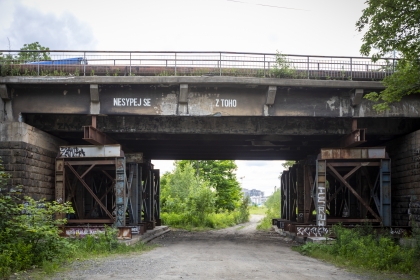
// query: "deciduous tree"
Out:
[220,174]
[393,26]
[40,52]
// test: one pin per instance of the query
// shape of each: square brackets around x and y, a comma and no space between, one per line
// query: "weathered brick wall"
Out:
[29,154]
[30,166]
[405,157]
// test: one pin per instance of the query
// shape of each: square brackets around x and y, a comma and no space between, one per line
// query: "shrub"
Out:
[363,249]
[29,233]
[273,210]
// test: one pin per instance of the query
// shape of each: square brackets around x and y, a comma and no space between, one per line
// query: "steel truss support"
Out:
[308,193]
[345,189]
[156,197]
[293,194]
[132,193]
[148,191]
[120,192]
[385,192]
[285,196]
[343,185]
[300,192]
[105,188]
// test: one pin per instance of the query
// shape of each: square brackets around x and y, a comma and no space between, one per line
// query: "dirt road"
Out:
[238,252]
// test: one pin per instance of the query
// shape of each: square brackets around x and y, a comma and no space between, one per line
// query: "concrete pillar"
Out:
[95,105]
[2,110]
[4,99]
[270,98]
[404,153]
[183,99]
[29,154]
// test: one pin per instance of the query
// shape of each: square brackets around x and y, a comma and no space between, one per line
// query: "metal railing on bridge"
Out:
[170,63]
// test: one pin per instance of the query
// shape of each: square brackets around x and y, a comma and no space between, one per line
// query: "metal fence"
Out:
[168,63]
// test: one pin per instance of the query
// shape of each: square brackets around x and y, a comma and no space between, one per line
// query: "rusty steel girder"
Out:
[106,189]
[96,137]
[349,186]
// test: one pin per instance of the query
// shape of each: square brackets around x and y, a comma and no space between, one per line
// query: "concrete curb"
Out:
[147,236]
[155,235]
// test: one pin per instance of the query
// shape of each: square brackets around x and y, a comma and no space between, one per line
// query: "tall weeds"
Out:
[363,248]
[273,210]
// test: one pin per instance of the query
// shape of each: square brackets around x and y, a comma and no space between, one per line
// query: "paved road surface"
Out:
[238,252]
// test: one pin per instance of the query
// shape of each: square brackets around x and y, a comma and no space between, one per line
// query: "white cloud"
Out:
[58,31]
[325,27]
[163,165]
[260,175]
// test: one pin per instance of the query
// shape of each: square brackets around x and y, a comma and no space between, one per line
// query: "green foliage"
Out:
[393,26]
[288,163]
[273,210]
[282,68]
[220,175]
[210,220]
[405,81]
[33,52]
[361,247]
[29,53]
[6,64]
[103,243]
[29,233]
[254,209]
[202,194]
[416,238]
[4,177]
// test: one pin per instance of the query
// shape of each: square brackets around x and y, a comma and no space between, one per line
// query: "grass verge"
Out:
[362,249]
[255,210]
[90,247]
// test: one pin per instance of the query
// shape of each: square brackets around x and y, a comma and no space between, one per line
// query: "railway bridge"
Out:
[85,130]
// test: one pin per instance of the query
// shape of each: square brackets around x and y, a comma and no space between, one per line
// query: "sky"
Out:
[306,27]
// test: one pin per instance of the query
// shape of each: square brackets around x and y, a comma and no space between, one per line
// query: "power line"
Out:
[265,5]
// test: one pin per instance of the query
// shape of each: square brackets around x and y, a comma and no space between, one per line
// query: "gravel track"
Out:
[239,252]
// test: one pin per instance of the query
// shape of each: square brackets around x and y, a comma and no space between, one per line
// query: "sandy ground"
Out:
[239,252]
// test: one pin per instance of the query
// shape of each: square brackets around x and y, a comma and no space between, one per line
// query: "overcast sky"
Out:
[321,27]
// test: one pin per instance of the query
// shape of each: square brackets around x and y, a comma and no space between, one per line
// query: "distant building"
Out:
[255,192]
[257,197]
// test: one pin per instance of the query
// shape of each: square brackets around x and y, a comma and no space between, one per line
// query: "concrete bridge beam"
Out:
[95,105]
[5,104]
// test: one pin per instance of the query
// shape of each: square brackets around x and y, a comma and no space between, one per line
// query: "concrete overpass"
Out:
[232,109]
[208,117]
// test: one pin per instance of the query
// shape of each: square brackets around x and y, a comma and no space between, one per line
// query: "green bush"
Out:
[208,220]
[273,210]
[282,68]
[189,201]
[363,249]
[29,233]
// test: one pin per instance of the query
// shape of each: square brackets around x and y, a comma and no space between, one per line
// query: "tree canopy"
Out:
[288,163]
[220,174]
[202,194]
[393,26]
[43,53]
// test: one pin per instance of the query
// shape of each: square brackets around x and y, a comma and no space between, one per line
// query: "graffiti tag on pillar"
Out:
[82,231]
[120,216]
[321,199]
[313,231]
[71,152]
[397,231]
